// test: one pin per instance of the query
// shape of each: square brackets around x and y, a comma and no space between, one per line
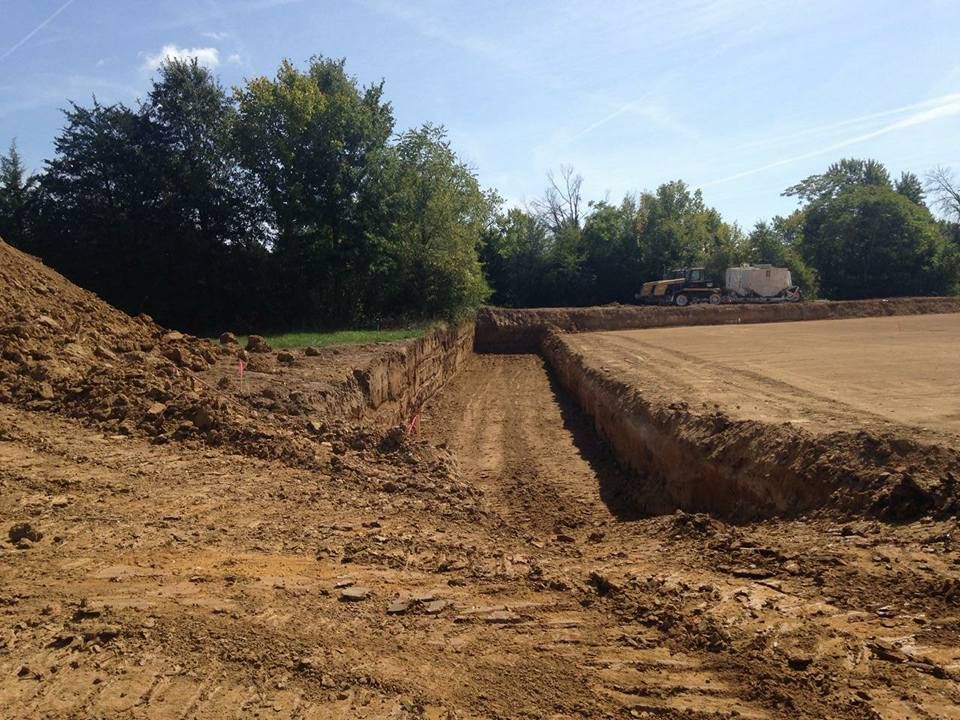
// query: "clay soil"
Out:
[877,374]
[174,566]
[176,583]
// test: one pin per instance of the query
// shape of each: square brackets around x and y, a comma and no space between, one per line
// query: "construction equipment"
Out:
[760,283]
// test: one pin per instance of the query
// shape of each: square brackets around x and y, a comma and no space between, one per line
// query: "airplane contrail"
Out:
[937,108]
[7,53]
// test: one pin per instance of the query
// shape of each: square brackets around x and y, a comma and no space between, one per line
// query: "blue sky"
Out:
[739,97]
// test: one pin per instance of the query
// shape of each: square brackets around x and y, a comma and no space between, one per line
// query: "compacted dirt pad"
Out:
[870,373]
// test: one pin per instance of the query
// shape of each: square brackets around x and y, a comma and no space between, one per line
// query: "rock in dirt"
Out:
[502,617]
[105,353]
[355,594]
[22,531]
[203,418]
[49,322]
[436,606]
[285,357]
[25,673]
[311,352]
[156,410]
[399,607]
[228,338]
[258,344]
[799,662]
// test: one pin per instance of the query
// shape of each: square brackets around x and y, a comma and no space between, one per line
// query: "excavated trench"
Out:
[740,470]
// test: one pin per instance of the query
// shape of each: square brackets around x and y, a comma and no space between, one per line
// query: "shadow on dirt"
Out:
[619,487]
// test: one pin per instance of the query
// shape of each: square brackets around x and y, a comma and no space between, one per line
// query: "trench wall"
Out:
[747,470]
[523,331]
[741,470]
[395,385]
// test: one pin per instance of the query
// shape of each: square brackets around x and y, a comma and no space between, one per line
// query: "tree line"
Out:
[292,202]
[857,234]
[288,203]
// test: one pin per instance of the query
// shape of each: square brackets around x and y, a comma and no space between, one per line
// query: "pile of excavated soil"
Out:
[63,350]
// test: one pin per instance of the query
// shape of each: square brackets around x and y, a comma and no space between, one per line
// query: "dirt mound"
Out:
[65,351]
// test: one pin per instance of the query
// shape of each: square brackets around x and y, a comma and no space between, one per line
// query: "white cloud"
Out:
[218,36]
[234,59]
[207,56]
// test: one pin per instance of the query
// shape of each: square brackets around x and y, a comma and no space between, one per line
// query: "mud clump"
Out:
[258,344]
[24,531]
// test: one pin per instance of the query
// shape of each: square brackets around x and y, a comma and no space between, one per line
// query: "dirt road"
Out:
[871,373]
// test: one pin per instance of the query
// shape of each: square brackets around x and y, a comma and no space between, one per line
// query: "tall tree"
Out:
[560,206]
[910,187]
[16,193]
[611,247]
[150,209]
[439,215]
[318,142]
[870,241]
[946,192]
[777,243]
[515,257]
[839,176]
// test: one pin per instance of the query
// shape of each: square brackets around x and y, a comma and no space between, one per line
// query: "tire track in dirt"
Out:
[555,484]
[672,592]
[525,445]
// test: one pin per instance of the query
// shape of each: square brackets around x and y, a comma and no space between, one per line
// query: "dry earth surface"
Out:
[239,555]
[864,373]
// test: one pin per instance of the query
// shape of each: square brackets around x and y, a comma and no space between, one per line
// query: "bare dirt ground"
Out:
[172,548]
[824,375]
[205,584]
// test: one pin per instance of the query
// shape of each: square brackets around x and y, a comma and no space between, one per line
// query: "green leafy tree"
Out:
[150,209]
[16,194]
[319,145]
[910,187]
[839,176]
[679,230]
[611,252]
[777,243]
[870,241]
[515,259]
[439,217]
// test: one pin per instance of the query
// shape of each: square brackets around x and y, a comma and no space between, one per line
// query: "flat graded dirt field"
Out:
[824,375]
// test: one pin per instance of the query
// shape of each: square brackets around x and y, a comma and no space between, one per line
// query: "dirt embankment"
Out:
[744,469]
[65,351]
[522,331]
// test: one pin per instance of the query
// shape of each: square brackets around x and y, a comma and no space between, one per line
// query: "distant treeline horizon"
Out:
[292,202]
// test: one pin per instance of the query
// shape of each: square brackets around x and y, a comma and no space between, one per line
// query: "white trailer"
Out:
[759,283]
